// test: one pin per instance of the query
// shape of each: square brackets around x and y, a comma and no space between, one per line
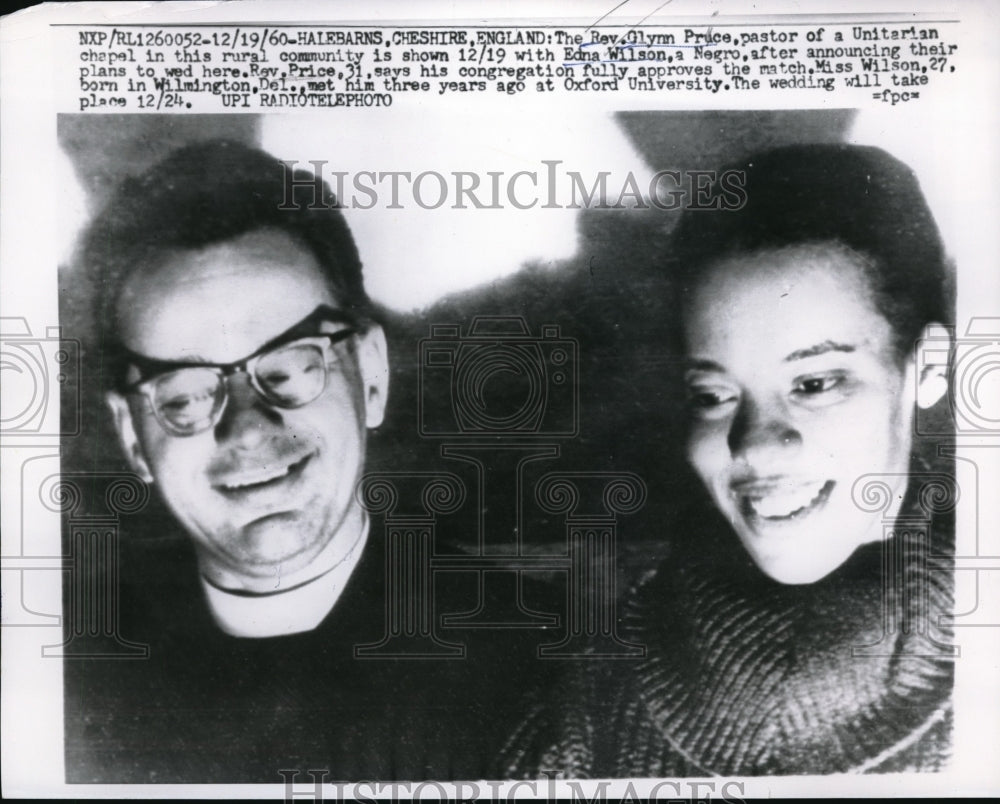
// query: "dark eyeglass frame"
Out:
[151,369]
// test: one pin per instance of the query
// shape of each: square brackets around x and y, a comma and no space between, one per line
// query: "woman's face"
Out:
[795,392]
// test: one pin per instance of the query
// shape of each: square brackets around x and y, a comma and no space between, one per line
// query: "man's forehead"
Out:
[223,301]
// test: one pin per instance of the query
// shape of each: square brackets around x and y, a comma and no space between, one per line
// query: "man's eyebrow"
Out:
[819,349]
[150,366]
[304,327]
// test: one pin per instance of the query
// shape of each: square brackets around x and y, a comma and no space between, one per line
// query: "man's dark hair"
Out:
[207,193]
[856,197]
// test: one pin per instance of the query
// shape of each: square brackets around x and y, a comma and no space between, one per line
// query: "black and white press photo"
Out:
[595,403]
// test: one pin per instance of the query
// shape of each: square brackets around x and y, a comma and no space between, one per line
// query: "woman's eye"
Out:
[819,386]
[705,399]
[709,401]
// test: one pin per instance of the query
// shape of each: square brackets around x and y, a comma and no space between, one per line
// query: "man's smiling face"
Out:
[795,391]
[265,490]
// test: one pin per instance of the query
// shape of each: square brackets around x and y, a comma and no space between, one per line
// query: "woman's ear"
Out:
[128,439]
[933,351]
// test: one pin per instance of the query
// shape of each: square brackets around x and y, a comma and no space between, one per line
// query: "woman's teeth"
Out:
[784,502]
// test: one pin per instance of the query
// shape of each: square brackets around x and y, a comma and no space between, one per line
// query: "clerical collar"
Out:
[294,610]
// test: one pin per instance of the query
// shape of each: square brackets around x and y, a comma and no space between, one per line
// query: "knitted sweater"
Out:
[744,676]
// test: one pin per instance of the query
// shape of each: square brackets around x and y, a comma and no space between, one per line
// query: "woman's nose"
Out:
[760,429]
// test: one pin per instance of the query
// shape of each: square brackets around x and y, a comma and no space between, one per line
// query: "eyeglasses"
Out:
[289,371]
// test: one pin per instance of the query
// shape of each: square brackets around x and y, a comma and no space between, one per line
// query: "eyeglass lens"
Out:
[188,397]
[191,398]
[292,376]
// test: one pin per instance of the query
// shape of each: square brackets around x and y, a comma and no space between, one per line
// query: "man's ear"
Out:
[932,356]
[127,437]
[373,359]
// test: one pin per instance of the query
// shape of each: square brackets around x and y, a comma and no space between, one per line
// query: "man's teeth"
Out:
[785,501]
[257,478]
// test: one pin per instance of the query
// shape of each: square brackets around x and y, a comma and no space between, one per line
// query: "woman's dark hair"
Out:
[856,197]
[207,193]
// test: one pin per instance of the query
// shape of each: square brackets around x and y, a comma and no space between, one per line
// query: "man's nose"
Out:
[247,420]
[761,429]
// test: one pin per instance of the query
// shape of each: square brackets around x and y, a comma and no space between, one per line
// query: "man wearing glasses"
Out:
[243,367]
[248,369]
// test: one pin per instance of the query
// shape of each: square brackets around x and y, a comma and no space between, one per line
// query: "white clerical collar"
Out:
[292,611]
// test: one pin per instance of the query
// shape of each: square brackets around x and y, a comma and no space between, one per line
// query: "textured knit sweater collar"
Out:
[747,676]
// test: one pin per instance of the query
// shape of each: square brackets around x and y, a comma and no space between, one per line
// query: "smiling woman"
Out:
[795,391]
[796,630]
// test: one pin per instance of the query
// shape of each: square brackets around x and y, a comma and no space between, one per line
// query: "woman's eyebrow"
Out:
[703,365]
[819,349]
